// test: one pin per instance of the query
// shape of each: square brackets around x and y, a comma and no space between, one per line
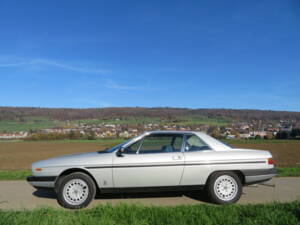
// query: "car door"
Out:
[197,154]
[154,161]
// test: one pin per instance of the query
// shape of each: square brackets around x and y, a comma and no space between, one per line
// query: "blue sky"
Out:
[196,54]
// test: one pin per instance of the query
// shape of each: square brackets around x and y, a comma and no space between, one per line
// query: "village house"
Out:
[17,135]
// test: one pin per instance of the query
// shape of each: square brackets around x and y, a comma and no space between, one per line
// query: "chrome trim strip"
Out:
[181,164]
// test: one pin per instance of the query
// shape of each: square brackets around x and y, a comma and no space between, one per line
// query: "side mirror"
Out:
[119,153]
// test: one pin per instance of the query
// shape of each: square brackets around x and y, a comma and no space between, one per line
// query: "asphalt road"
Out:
[20,195]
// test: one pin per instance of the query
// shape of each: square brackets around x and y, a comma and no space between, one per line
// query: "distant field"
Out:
[189,121]
[286,153]
[184,121]
[128,120]
[19,155]
[27,124]
[259,141]
[36,123]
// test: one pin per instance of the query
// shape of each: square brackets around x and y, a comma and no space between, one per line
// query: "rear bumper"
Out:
[259,175]
[42,182]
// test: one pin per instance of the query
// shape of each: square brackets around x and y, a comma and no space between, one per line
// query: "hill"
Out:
[63,114]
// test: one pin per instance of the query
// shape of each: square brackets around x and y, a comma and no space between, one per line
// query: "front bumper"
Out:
[42,181]
[258,175]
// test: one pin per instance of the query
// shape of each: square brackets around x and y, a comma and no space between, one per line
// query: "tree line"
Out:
[294,134]
[72,135]
[19,113]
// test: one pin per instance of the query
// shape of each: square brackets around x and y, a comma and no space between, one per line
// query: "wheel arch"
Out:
[74,170]
[237,172]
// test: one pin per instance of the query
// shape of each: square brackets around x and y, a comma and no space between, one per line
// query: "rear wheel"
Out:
[224,188]
[75,190]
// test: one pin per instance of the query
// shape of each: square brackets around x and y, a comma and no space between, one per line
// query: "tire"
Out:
[224,188]
[75,191]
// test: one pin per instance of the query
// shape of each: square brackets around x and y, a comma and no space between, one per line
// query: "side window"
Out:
[132,149]
[194,143]
[161,143]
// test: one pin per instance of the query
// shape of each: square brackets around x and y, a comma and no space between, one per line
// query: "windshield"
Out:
[116,147]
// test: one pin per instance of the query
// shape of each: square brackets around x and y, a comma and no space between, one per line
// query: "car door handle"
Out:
[177,157]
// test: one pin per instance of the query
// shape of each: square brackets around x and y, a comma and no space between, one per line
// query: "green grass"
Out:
[22,174]
[289,172]
[271,214]
[14,174]
[34,123]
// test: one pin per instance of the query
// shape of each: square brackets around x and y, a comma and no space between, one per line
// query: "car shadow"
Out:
[199,196]
[196,195]
[45,193]
[136,195]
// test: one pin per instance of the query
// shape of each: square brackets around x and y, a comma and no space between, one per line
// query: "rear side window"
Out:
[194,143]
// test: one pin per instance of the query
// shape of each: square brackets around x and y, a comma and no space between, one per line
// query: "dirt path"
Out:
[19,194]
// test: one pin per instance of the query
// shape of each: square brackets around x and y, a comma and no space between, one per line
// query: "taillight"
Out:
[270,161]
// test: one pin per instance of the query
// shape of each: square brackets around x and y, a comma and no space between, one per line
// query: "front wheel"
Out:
[76,191]
[224,188]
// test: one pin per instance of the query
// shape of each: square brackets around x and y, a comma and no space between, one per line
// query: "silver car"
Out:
[155,161]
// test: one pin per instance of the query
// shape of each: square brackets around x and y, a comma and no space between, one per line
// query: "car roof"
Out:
[170,132]
[212,142]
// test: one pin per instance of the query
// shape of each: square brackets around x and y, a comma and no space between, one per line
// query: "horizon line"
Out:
[147,107]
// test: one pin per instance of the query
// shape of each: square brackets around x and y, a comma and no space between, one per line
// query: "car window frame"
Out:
[136,152]
[142,142]
[185,139]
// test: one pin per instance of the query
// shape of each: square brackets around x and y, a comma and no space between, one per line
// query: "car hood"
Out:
[82,159]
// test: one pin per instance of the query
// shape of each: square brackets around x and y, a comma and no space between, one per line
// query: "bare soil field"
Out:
[19,155]
[286,154]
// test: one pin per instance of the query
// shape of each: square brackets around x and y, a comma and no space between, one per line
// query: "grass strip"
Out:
[14,174]
[271,214]
[288,171]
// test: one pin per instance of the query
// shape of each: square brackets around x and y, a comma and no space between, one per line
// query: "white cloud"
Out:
[53,63]
[112,84]
[12,64]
